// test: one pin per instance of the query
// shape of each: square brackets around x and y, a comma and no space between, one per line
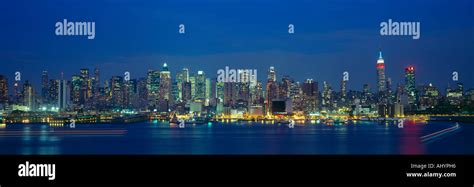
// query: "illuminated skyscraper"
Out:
[96,83]
[142,92]
[310,87]
[256,93]
[86,88]
[220,91]
[63,95]
[310,95]
[181,77]
[164,90]
[28,96]
[53,90]
[76,90]
[107,90]
[327,95]
[175,92]
[455,95]
[271,89]
[284,88]
[343,89]
[3,90]
[381,85]
[44,86]
[165,83]
[192,81]
[208,89]
[428,97]
[230,93]
[186,91]
[296,96]
[243,87]
[366,94]
[389,86]
[117,86]
[130,93]
[200,85]
[271,74]
[410,84]
[17,95]
[153,84]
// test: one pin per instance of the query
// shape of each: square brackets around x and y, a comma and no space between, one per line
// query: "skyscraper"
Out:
[310,87]
[76,90]
[175,92]
[164,89]
[53,90]
[3,90]
[107,90]
[271,74]
[243,87]
[153,83]
[181,76]
[271,88]
[192,81]
[117,86]
[63,95]
[381,85]
[296,96]
[129,92]
[142,92]
[186,91]
[220,91]
[410,84]
[310,94]
[209,94]
[44,87]
[200,85]
[86,88]
[429,97]
[17,94]
[285,87]
[256,93]
[96,83]
[455,95]
[28,96]
[343,89]
[327,95]
[165,82]
[389,86]
[230,93]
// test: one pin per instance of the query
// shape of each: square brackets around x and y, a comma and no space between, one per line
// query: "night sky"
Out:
[330,37]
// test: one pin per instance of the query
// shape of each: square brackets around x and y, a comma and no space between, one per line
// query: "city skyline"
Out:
[374,85]
[191,90]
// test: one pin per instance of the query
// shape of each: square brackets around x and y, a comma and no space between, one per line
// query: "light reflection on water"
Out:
[159,137]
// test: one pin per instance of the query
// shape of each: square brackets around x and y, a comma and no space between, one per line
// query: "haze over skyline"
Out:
[136,36]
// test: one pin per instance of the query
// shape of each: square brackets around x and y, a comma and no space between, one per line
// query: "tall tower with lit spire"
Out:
[164,89]
[380,73]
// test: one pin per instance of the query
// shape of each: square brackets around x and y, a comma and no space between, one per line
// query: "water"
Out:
[235,138]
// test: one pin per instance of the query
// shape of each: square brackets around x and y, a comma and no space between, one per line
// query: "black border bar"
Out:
[236,169]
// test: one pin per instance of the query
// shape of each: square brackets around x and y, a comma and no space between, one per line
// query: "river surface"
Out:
[156,137]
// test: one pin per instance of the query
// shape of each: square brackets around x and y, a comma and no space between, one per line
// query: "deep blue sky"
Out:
[331,37]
